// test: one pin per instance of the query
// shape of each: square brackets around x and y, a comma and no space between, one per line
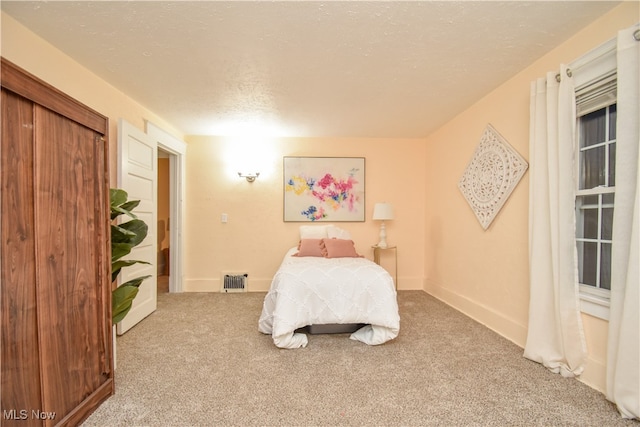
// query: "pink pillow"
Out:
[309,247]
[339,248]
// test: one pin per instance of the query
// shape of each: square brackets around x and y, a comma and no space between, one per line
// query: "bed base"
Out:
[331,328]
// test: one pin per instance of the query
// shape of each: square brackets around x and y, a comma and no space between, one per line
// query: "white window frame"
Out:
[587,70]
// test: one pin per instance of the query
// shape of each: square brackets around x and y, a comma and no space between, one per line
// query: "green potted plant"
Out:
[124,237]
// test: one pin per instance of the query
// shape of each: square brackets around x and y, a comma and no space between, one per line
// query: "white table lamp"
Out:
[382,212]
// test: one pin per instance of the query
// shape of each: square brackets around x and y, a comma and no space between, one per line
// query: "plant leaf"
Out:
[136,282]
[120,205]
[118,250]
[120,235]
[118,265]
[117,196]
[130,205]
[139,230]
[116,211]
[121,301]
[128,262]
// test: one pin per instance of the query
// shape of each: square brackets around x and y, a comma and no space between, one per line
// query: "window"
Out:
[595,161]
[595,195]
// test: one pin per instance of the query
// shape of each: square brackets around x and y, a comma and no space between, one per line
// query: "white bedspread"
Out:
[316,291]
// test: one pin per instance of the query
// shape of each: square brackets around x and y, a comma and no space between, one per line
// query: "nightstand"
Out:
[376,258]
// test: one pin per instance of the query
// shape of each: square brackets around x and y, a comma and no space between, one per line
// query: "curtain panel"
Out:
[555,337]
[623,351]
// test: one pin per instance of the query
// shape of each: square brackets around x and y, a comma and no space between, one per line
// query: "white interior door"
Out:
[138,176]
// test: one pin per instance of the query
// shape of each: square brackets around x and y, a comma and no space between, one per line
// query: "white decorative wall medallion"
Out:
[491,176]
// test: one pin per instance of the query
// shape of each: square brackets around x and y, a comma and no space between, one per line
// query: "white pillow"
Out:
[334,232]
[314,231]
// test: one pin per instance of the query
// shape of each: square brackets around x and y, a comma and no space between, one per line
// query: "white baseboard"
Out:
[263,285]
[595,375]
[201,285]
[214,285]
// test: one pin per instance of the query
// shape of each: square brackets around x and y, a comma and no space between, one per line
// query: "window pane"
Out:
[605,266]
[592,168]
[589,220]
[593,128]
[607,216]
[612,165]
[612,121]
[587,262]
[586,216]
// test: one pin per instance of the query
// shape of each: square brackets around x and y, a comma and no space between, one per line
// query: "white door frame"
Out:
[177,150]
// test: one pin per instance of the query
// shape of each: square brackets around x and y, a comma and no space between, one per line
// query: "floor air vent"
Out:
[234,282]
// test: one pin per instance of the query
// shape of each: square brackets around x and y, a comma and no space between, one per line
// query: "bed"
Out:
[329,287]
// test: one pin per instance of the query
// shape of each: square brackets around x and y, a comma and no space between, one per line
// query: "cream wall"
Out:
[485,273]
[255,238]
[38,57]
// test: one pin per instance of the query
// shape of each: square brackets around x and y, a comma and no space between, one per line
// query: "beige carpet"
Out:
[200,360]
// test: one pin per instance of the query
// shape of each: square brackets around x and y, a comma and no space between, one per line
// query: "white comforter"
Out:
[315,291]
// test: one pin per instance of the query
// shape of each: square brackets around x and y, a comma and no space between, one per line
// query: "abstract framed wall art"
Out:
[491,175]
[324,189]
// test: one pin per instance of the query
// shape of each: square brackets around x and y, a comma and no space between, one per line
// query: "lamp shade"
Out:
[383,211]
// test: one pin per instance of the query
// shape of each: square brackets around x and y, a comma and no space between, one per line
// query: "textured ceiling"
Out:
[306,68]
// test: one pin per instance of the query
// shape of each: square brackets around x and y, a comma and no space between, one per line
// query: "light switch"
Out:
[224,218]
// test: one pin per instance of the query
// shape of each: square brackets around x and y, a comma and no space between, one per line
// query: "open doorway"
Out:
[164,213]
[172,151]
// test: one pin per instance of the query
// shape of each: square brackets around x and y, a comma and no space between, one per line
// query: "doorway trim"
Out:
[177,150]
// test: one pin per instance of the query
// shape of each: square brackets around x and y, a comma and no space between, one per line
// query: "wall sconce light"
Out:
[250,177]
[382,212]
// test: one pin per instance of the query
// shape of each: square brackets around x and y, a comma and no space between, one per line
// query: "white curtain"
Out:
[623,358]
[555,337]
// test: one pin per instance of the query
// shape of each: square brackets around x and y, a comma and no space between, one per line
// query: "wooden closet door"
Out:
[20,355]
[56,348]
[69,218]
